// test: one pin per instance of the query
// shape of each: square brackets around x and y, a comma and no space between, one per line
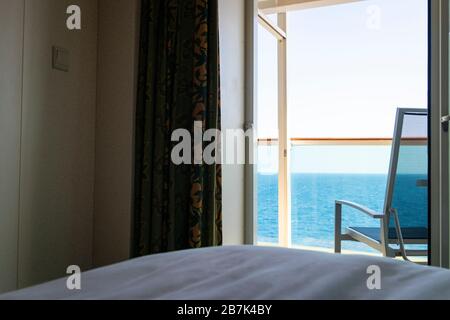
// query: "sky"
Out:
[350,66]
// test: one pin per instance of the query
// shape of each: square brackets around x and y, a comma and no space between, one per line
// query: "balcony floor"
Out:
[419,260]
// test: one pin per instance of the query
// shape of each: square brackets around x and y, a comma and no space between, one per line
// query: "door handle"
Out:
[445,123]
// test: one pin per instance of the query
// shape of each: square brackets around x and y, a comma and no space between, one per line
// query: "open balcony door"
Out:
[439,109]
[269,127]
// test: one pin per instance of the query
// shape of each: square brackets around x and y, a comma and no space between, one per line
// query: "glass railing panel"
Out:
[322,174]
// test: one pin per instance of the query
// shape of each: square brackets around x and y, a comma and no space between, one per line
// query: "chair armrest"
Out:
[367,211]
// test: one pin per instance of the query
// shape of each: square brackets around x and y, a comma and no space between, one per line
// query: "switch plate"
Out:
[60,59]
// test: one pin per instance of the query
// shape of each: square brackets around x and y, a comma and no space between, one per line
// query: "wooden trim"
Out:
[344,141]
[276,6]
[279,33]
[284,185]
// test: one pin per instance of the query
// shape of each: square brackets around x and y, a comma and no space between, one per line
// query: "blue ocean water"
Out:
[313,205]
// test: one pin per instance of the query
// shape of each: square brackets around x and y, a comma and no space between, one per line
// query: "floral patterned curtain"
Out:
[176,206]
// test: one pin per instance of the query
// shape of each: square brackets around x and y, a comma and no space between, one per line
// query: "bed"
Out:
[249,273]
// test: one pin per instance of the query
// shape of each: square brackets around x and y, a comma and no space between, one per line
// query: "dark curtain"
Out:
[176,206]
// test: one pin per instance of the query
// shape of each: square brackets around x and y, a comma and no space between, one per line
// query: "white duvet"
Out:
[249,273]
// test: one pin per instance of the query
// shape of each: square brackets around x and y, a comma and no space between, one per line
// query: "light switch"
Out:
[60,59]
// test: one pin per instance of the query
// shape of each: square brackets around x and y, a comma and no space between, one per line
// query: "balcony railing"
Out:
[342,141]
[313,194]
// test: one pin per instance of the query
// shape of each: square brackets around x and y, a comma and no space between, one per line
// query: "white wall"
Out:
[58,143]
[232,50]
[117,78]
[11,30]
[76,147]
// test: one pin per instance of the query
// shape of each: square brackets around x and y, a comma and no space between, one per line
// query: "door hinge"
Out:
[248,126]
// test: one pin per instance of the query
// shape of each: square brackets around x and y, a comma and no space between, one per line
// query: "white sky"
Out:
[348,72]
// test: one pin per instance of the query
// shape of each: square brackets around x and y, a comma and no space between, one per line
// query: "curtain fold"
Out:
[176,206]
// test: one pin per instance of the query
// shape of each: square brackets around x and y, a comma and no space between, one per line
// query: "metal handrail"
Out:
[344,141]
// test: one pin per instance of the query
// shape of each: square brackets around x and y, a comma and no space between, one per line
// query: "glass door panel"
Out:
[268,135]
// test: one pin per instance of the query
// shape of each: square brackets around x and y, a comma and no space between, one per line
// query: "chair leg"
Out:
[337,245]
[338,229]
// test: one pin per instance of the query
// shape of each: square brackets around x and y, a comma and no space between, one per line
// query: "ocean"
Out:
[313,205]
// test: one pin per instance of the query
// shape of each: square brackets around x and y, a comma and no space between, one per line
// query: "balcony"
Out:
[321,171]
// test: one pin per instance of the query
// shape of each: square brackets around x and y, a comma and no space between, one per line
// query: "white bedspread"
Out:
[248,273]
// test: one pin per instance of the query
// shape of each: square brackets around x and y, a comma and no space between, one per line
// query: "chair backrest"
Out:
[407,189]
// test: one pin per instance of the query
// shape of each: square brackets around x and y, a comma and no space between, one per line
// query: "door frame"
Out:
[439,141]
[251,102]
[278,31]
